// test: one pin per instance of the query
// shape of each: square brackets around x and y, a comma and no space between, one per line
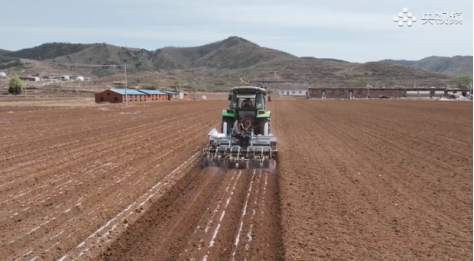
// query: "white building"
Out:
[80,78]
[292,92]
[3,75]
[418,93]
[177,94]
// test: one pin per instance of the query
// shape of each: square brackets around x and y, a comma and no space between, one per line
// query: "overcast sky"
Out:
[356,31]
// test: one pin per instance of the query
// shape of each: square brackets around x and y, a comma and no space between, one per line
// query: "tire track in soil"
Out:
[170,220]
[209,215]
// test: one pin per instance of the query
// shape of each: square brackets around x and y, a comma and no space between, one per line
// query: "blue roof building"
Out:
[128,92]
[131,95]
[154,92]
[172,92]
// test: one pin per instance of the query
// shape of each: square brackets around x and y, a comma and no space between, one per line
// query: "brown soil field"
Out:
[375,180]
[10,103]
[362,180]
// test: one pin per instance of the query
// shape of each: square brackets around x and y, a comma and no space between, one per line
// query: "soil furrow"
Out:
[356,180]
[364,194]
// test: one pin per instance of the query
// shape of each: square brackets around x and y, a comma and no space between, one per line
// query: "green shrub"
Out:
[16,85]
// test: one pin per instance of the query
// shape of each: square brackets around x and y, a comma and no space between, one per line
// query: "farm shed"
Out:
[118,95]
[351,93]
[293,92]
[156,95]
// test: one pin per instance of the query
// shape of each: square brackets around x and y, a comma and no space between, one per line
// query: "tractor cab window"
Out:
[244,101]
[248,101]
[260,101]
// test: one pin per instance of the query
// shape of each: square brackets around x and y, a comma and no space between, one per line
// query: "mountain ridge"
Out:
[457,65]
[222,63]
[3,52]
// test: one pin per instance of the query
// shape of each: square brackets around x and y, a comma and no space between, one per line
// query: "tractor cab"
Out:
[247,104]
[247,100]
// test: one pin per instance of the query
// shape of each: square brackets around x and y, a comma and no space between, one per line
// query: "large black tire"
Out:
[230,123]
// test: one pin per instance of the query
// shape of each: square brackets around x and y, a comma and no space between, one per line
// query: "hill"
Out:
[325,59]
[4,52]
[48,51]
[407,63]
[455,66]
[104,54]
[231,53]
[220,64]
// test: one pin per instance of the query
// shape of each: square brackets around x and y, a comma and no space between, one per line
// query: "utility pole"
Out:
[126,87]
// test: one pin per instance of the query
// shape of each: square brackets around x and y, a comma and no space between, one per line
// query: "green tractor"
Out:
[245,140]
[248,105]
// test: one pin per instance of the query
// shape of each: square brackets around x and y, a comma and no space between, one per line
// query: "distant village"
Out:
[298,89]
[50,78]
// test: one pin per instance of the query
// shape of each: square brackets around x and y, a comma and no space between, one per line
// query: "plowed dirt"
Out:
[360,180]
[209,216]
[72,178]
[375,180]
